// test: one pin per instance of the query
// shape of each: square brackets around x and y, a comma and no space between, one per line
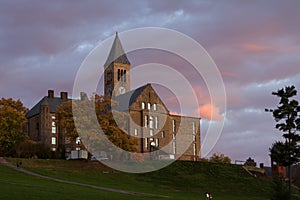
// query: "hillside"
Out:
[181,180]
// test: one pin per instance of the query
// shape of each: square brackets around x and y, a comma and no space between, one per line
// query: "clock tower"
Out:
[116,71]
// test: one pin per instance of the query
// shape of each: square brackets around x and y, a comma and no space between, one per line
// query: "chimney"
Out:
[51,94]
[64,95]
[261,165]
[83,96]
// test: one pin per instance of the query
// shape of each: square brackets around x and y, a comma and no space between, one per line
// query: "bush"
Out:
[280,190]
[32,149]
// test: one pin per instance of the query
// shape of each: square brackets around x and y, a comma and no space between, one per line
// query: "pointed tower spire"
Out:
[117,53]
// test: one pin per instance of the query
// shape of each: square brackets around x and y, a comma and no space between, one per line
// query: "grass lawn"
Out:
[16,185]
[181,180]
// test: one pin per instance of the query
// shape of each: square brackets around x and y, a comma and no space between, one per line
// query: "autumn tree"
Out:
[89,129]
[287,117]
[219,158]
[12,121]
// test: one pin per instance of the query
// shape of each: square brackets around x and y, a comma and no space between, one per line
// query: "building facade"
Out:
[150,120]
[41,121]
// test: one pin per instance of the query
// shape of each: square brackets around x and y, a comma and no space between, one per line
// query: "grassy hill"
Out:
[180,180]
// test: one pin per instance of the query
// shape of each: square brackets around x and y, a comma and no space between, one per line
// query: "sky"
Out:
[255,45]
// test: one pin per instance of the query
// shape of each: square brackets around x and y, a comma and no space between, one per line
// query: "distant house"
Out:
[150,120]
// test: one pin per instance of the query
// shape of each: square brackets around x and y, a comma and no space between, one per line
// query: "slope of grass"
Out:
[181,180]
[16,185]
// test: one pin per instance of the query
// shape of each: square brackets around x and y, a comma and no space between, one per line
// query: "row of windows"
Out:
[152,143]
[149,121]
[149,106]
[122,75]
[156,144]
[174,138]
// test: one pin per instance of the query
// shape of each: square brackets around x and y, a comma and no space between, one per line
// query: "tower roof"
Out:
[117,53]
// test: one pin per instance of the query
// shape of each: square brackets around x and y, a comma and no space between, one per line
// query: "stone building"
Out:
[41,120]
[150,120]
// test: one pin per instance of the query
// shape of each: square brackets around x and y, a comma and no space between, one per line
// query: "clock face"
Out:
[121,90]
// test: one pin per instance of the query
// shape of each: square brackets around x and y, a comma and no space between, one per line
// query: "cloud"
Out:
[256,47]
[43,45]
[210,112]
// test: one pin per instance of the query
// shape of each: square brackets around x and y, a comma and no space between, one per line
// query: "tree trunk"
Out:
[289,183]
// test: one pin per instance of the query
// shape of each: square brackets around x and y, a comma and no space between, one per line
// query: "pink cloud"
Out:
[211,112]
[256,47]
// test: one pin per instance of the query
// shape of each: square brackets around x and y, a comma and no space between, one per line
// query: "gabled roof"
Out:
[46,101]
[127,99]
[117,53]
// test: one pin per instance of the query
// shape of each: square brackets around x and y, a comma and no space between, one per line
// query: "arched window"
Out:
[135,132]
[119,74]
[149,106]
[143,105]
[154,107]
[122,77]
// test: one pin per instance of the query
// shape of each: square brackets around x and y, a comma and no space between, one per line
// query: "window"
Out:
[119,74]
[156,122]
[154,107]
[124,76]
[143,105]
[146,142]
[195,151]
[53,125]
[174,148]
[151,132]
[135,132]
[156,142]
[146,121]
[78,140]
[173,125]
[151,122]
[149,106]
[53,129]
[53,140]
[162,134]
[174,136]
[194,132]
[194,128]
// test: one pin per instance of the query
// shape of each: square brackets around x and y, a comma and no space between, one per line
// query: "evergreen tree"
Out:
[287,120]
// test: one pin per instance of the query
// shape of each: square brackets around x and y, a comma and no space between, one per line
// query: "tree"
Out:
[280,190]
[89,128]
[219,158]
[287,120]
[250,162]
[12,121]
